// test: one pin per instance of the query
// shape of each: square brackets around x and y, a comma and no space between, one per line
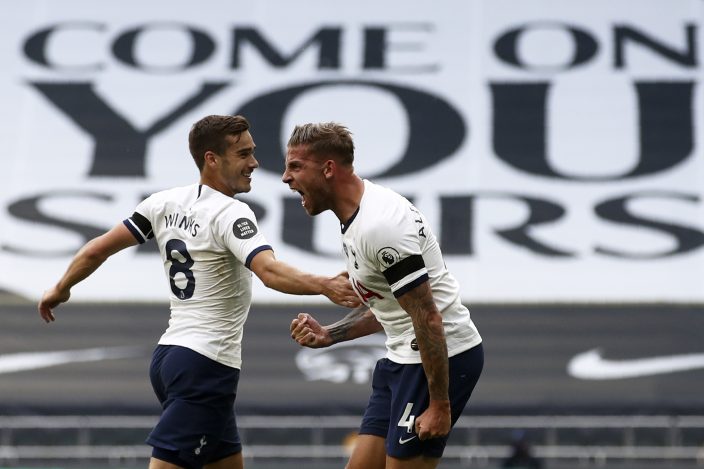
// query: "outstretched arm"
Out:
[85,262]
[287,279]
[360,322]
[435,421]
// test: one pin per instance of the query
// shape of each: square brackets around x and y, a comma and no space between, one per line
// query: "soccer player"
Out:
[209,242]
[396,266]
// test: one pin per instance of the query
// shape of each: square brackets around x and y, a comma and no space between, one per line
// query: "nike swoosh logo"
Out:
[591,365]
[14,362]
[403,442]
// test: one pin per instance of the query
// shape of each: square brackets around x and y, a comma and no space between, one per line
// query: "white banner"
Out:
[553,145]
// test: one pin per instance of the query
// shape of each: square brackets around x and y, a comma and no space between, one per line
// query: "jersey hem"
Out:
[414,361]
[231,363]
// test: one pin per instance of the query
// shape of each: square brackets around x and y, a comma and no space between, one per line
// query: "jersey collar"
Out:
[346,225]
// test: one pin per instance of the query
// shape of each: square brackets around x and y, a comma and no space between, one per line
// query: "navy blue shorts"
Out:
[400,393]
[197,424]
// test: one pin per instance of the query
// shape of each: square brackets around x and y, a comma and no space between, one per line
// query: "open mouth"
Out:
[301,194]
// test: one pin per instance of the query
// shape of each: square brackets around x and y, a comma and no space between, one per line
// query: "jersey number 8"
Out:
[180,266]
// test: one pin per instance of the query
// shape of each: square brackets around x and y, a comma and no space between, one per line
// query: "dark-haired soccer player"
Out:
[209,244]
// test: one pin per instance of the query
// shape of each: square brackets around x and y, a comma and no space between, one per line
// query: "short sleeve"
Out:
[239,232]
[396,250]
[139,223]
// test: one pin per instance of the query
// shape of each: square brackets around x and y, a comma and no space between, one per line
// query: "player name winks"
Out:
[179,220]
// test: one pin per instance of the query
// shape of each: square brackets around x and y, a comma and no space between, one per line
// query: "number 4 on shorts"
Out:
[407,419]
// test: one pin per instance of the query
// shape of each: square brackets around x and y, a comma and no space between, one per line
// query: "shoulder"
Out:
[377,191]
[388,223]
[236,208]
[385,200]
[385,210]
[218,203]
[174,193]
[376,227]
[233,217]
[157,200]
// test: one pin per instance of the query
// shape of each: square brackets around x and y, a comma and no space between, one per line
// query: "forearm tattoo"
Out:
[430,335]
[340,331]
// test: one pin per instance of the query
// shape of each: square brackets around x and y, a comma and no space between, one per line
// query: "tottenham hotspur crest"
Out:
[354,254]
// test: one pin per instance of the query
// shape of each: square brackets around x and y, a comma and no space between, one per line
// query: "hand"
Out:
[50,300]
[308,332]
[435,421]
[339,290]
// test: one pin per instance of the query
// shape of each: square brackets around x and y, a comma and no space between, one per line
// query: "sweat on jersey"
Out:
[207,241]
[390,249]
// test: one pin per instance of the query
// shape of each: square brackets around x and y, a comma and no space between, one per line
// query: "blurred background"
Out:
[552,145]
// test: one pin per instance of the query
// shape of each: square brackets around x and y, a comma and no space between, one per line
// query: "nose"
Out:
[286,178]
[254,163]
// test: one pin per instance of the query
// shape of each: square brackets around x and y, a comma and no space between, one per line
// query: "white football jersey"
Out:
[390,249]
[207,241]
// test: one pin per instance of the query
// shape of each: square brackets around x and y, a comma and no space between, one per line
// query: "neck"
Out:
[215,185]
[348,194]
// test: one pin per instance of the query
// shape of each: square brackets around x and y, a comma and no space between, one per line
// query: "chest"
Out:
[365,274]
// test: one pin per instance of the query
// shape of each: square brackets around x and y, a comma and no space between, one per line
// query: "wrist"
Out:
[62,289]
[443,404]
[330,340]
[333,334]
[324,286]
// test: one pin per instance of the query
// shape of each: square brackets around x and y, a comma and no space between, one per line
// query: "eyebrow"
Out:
[246,149]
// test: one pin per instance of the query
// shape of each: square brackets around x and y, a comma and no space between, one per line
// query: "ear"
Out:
[210,159]
[329,168]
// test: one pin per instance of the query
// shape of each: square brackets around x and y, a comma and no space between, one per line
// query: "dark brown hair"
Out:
[209,134]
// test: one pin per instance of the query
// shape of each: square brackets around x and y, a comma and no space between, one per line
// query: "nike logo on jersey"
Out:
[403,441]
[14,362]
[591,365]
